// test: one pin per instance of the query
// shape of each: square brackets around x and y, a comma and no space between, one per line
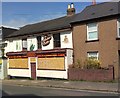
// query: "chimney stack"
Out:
[93,2]
[71,9]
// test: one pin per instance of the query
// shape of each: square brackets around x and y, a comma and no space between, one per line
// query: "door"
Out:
[33,70]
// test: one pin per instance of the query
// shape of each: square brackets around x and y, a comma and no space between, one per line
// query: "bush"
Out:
[78,64]
[92,63]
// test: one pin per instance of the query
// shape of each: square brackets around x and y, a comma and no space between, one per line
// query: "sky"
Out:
[18,14]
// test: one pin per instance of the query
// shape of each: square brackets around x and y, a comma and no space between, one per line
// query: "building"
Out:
[47,44]
[4,32]
[96,32]
[46,49]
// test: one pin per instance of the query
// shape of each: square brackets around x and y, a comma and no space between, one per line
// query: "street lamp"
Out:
[2,46]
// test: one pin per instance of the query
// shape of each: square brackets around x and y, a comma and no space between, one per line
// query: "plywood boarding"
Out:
[18,63]
[56,63]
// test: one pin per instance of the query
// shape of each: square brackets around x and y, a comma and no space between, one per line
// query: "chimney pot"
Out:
[72,5]
[68,6]
[71,9]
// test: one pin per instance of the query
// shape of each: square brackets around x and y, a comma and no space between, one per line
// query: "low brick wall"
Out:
[91,74]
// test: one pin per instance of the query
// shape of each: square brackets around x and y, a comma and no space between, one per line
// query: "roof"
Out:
[55,24]
[98,11]
[90,12]
[7,31]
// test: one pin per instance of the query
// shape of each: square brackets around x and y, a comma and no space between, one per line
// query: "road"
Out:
[20,90]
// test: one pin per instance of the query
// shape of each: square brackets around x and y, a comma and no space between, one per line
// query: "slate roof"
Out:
[55,24]
[98,11]
[7,31]
[90,12]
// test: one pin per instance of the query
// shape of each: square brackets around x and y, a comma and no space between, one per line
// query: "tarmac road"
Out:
[20,90]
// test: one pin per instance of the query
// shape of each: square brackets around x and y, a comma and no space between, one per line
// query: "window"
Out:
[24,44]
[93,55]
[18,46]
[92,31]
[118,27]
[56,38]
[39,42]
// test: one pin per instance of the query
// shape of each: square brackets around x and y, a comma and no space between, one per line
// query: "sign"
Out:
[46,40]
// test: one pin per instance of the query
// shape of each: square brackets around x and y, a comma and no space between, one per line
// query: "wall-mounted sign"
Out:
[46,40]
[65,39]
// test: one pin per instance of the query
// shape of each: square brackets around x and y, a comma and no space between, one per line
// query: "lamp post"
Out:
[2,46]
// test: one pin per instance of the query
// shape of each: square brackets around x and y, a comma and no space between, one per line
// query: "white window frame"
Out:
[118,27]
[92,31]
[88,54]
[19,45]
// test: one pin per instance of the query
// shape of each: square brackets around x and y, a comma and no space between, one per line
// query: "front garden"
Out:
[90,70]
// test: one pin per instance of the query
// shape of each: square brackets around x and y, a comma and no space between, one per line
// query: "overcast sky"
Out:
[17,14]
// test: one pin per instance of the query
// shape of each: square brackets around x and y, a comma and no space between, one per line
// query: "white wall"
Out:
[69,37]
[11,45]
[19,72]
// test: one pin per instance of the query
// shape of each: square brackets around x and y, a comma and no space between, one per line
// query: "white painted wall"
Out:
[69,36]
[11,46]
[19,72]
[50,46]
[69,57]
[31,41]
[52,74]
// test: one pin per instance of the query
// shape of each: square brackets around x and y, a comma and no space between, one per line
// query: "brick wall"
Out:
[91,74]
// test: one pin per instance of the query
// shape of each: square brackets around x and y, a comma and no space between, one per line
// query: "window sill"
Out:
[118,38]
[92,40]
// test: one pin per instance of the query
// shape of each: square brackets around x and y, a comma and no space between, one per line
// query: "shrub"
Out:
[92,63]
[78,64]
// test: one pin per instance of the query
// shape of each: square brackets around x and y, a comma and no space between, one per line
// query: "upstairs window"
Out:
[118,27]
[93,55]
[24,44]
[92,31]
[39,42]
[18,46]
[56,38]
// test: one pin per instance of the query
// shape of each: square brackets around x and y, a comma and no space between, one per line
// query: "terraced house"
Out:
[96,33]
[46,49]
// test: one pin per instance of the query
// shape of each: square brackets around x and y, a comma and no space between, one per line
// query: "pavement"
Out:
[67,84]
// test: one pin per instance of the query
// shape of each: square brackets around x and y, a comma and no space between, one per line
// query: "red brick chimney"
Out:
[71,9]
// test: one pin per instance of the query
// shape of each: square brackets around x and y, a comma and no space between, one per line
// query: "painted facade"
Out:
[52,64]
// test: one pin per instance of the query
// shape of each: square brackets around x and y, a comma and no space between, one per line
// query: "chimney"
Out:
[71,9]
[93,2]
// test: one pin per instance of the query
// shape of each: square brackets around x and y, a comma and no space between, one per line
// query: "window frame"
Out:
[93,52]
[54,41]
[118,27]
[39,42]
[88,39]
[24,48]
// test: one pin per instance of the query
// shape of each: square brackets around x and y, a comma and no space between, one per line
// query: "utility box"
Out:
[3,68]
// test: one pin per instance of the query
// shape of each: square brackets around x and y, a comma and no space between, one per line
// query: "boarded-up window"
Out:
[56,63]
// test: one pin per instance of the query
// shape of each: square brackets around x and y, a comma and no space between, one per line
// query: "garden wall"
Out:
[91,74]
